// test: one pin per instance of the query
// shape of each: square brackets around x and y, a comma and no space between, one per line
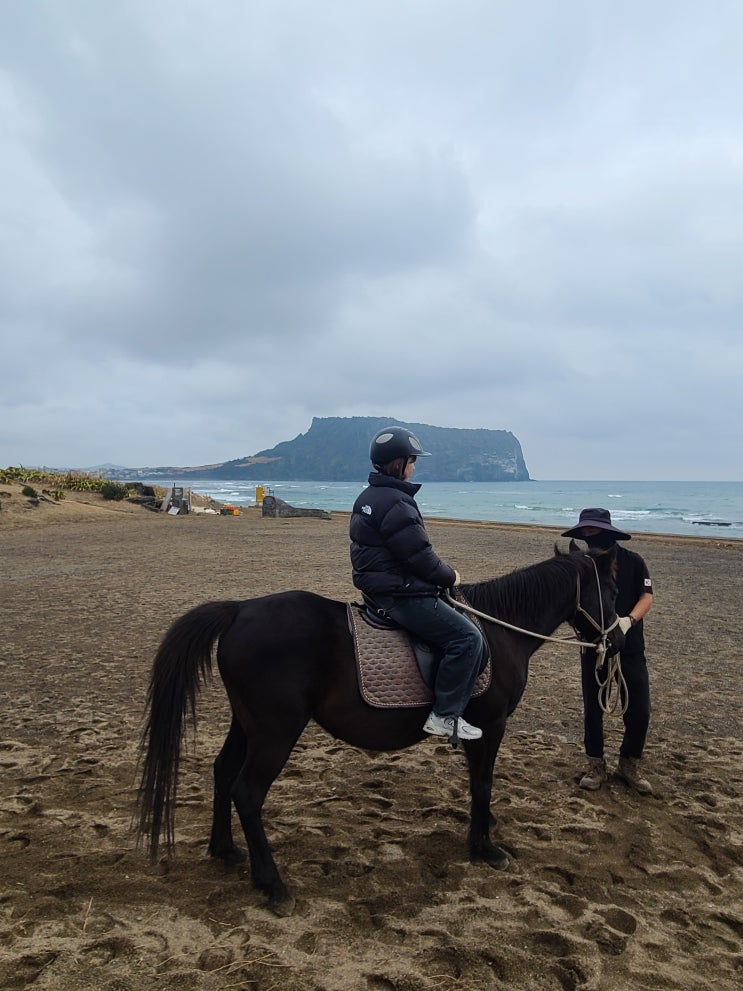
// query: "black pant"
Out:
[439,624]
[637,716]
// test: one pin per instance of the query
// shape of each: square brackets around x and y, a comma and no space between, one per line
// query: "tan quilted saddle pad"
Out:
[389,676]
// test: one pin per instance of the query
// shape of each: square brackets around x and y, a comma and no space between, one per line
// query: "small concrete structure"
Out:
[274,507]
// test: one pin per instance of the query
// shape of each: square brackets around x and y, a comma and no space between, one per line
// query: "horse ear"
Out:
[573,548]
[559,552]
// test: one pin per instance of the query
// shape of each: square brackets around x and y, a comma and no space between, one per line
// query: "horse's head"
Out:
[595,617]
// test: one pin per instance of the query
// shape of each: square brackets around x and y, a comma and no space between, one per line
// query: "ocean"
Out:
[682,508]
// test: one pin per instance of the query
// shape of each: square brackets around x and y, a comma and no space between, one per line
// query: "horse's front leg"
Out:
[481,756]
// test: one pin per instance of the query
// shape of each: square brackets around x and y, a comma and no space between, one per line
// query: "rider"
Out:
[634,599]
[395,566]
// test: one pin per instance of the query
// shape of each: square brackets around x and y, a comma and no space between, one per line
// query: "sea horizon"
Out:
[674,508]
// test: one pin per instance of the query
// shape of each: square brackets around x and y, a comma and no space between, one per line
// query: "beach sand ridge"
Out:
[605,891]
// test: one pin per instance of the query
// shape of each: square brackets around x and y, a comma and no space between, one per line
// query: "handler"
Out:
[397,569]
[634,599]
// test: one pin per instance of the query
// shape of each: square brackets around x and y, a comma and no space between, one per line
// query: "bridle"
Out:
[609,697]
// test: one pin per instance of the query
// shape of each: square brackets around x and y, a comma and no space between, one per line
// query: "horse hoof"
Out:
[500,861]
[283,906]
[494,857]
[231,857]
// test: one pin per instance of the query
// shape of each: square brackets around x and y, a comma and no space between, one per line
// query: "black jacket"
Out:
[390,550]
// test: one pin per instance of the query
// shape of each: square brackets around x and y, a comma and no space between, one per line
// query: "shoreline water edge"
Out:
[708,509]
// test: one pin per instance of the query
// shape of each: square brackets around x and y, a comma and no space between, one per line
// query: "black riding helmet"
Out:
[395,442]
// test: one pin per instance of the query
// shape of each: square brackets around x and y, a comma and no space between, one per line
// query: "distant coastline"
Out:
[671,508]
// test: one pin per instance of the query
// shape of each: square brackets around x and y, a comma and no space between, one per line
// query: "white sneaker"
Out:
[444,726]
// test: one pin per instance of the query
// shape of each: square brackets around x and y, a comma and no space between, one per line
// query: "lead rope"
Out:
[613,691]
[565,641]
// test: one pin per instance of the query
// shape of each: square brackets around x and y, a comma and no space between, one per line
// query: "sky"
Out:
[222,218]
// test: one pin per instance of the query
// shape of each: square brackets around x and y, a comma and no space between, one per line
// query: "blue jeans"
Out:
[435,622]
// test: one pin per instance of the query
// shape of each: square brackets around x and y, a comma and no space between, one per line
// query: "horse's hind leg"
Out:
[265,759]
[226,769]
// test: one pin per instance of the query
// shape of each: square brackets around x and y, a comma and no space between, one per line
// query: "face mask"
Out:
[601,541]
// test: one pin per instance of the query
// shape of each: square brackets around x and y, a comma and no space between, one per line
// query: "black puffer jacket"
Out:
[390,550]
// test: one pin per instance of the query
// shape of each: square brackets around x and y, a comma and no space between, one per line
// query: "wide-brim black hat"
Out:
[601,519]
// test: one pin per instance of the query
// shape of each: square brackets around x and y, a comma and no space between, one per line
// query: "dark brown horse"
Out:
[288,658]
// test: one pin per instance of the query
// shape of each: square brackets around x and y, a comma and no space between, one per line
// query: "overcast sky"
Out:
[221,218]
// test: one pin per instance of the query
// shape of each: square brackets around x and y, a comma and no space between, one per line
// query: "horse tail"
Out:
[182,664]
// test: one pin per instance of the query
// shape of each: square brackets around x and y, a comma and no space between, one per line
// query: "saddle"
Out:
[395,670]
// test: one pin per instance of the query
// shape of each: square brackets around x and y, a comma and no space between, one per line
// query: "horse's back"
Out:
[293,607]
[283,638]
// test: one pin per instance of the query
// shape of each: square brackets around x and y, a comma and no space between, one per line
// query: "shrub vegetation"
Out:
[59,483]
[114,490]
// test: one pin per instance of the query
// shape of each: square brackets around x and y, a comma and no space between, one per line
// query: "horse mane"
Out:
[521,592]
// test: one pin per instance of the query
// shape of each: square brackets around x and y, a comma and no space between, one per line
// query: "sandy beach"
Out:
[604,891]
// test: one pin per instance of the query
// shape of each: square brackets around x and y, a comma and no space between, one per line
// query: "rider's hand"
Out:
[457,579]
[624,623]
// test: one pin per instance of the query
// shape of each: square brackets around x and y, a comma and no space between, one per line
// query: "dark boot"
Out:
[628,770]
[595,775]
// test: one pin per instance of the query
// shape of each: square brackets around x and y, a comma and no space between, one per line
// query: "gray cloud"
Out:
[471,215]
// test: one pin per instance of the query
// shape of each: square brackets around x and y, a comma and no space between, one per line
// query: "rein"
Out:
[608,697]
